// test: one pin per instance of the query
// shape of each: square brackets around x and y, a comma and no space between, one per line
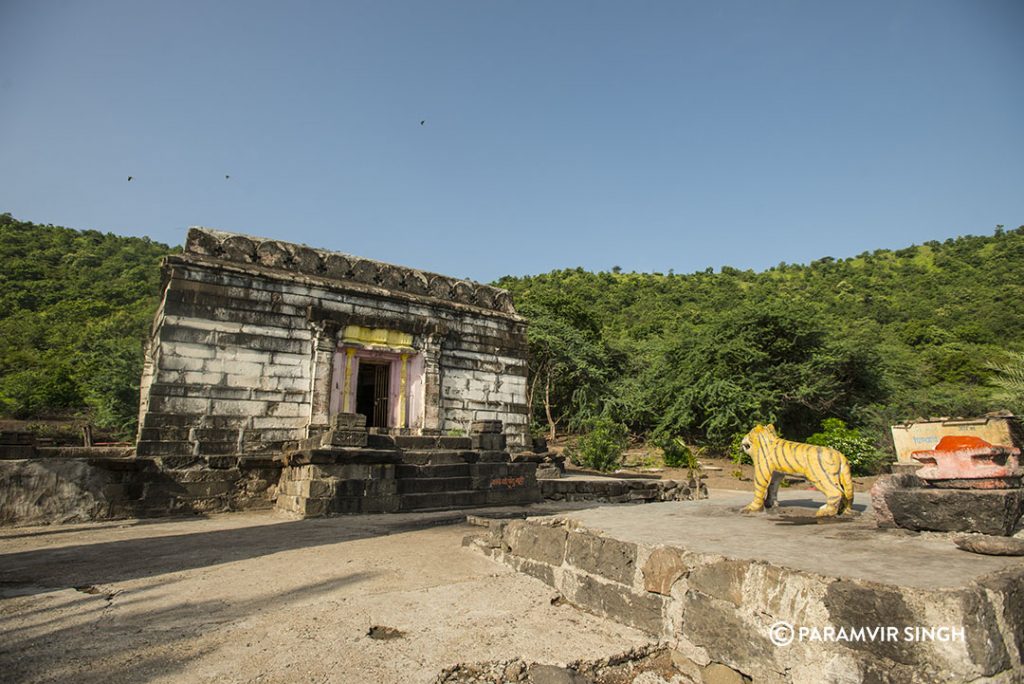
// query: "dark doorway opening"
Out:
[372,392]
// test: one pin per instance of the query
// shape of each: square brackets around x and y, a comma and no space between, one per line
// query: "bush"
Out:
[736,452]
[601,447]
[676,454]
[859,450]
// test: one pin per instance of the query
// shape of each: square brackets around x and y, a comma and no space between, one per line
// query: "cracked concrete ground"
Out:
[250,597]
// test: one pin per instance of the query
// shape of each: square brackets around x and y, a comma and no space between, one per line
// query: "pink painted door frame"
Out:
[411,405]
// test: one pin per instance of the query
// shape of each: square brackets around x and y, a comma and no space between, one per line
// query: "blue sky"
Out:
[648,135]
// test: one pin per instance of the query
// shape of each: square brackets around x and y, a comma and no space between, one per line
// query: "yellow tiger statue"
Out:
[827,469]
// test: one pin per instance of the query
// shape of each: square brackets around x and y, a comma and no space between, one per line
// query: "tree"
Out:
[568,361]
[1009,378]
[761,363]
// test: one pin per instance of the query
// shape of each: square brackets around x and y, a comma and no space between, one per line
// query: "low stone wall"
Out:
[621,490]
[64,489]
[713,609]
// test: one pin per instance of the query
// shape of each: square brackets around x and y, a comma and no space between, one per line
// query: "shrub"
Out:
[859,450]
[736,452]
[601,447]
[676,454]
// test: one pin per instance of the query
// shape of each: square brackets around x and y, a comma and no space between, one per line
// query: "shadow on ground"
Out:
[139,643]
[44,569]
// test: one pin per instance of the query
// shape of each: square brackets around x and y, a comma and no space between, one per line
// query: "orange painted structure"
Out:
[966,461]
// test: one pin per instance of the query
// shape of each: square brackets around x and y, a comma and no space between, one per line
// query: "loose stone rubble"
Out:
[990,545]
[653,664]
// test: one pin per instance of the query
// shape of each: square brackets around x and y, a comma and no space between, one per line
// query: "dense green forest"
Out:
[882,337]
[74,310]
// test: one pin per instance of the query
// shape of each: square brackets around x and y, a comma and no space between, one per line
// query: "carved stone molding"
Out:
[286,256]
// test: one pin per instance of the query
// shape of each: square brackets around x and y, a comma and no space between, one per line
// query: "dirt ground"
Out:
[250,597]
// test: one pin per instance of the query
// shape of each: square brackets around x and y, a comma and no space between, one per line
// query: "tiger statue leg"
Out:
[824,474]
[833,498]
[846,483]
[773,489]
[762,480]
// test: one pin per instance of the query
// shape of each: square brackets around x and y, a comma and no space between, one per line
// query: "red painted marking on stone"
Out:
[508,481]
[958,442]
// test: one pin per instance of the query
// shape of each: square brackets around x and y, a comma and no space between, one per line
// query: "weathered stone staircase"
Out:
[347,470]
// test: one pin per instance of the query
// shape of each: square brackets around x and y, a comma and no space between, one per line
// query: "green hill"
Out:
[881,337]
[74,308]
[885,336]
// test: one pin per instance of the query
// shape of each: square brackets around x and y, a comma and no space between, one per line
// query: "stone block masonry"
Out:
[391,474]
[614,490]
[715,586]
[257,344]
[73,489]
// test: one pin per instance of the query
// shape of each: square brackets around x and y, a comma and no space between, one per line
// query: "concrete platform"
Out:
[847,547]
[885,605]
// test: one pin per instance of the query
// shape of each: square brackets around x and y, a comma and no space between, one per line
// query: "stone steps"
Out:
[424,457]
[418,442]
[408,470]
[424,485]
[331,481]
[429,501]
[431,442]
[163,448]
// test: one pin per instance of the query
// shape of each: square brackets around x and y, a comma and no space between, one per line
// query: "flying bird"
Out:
[226,176]
[129,179]
[423,122]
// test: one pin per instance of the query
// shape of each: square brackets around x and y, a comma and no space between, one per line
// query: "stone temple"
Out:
[315,383]
[368,387]
[257,344]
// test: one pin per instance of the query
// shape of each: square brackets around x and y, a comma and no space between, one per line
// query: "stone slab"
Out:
[991,545]
[849,548]
[986,511]
[16,451]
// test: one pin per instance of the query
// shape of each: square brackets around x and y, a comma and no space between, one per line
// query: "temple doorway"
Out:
[372,390]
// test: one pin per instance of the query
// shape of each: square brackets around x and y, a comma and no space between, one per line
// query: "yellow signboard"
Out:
[925,434]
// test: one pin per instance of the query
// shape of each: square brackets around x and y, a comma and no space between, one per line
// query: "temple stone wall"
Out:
[481,386]
[243,343]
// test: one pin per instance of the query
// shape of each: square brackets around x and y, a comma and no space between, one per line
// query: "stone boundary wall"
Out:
[232,362]
[42,491]
[713,609]
[627,490]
